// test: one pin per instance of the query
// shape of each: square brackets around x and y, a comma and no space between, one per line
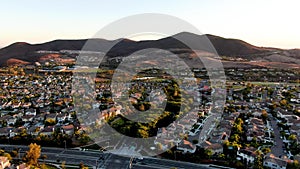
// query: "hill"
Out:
[233,48]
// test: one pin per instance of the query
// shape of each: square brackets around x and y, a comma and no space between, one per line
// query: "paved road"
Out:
[105,160]
[115,161]
[276,149]
[208,126]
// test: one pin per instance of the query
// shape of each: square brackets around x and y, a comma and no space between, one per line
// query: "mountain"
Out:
[233,48]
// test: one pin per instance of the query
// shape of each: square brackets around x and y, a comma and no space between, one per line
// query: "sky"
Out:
[269,23]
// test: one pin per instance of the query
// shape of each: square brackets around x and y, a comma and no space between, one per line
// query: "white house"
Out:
[11,121]
[274,162]
[30,112]
[247,155]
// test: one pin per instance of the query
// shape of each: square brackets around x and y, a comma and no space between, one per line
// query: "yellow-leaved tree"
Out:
[32,155]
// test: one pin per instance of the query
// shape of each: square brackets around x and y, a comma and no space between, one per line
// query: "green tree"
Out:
[266,150]
[292,137]
[208,153]
[195,141]
[14,153]
[258,162]
[293,165]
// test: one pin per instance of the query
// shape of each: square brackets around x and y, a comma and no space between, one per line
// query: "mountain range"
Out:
[235,52]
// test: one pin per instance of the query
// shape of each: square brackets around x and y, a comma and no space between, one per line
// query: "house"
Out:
[4,131]
[293,121]
[62,117]
[186,146]
[15,131]
[274,162]
[16,105]
[22,166]
[11,121]
[26,104]
[51,117]
[4,162]
[255,128]
[214,147]
[40,117]
[247,154]
[27,118]
[283,113]
[4,119]
[45,110]
[33,130]
[257,114]
[30,111]
[47,131]
[68,129]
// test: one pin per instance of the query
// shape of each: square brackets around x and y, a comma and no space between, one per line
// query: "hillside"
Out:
[233,48]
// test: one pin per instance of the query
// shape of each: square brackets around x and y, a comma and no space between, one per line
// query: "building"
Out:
[274,162]
[247,154]
[68,129]
[4,162]
[186,146]
[214,147]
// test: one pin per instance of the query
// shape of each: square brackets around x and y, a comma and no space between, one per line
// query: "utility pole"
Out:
[65,144]
[19,153]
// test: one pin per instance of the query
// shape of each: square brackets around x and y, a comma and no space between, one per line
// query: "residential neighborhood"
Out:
[259,122]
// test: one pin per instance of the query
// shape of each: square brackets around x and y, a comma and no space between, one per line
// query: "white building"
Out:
[274,162]
[247,155]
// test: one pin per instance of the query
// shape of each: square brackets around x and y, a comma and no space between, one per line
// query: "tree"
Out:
[258,162]
[5,154]
[50,122]
[292,137]
[63,165]
[44,157]
[235,138]
[84,139]
[208,153]
[266,150]
[81,166]
[283,102]
[43,166]
[8,156]
[159,146]
[32,155]
[222,156]
[264,115]
[293,165]
[14,153]
[195,141]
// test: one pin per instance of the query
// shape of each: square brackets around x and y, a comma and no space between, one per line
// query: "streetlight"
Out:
[19,151]
[130,162]
[65,144]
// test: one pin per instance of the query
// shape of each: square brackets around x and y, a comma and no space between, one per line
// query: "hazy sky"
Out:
[260,22]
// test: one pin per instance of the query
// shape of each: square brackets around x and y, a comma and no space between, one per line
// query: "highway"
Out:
[104,160]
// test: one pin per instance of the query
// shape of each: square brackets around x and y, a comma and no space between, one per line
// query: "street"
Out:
[104,160]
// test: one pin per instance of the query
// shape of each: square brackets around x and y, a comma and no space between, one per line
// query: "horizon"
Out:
[147,37]
[266,24]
